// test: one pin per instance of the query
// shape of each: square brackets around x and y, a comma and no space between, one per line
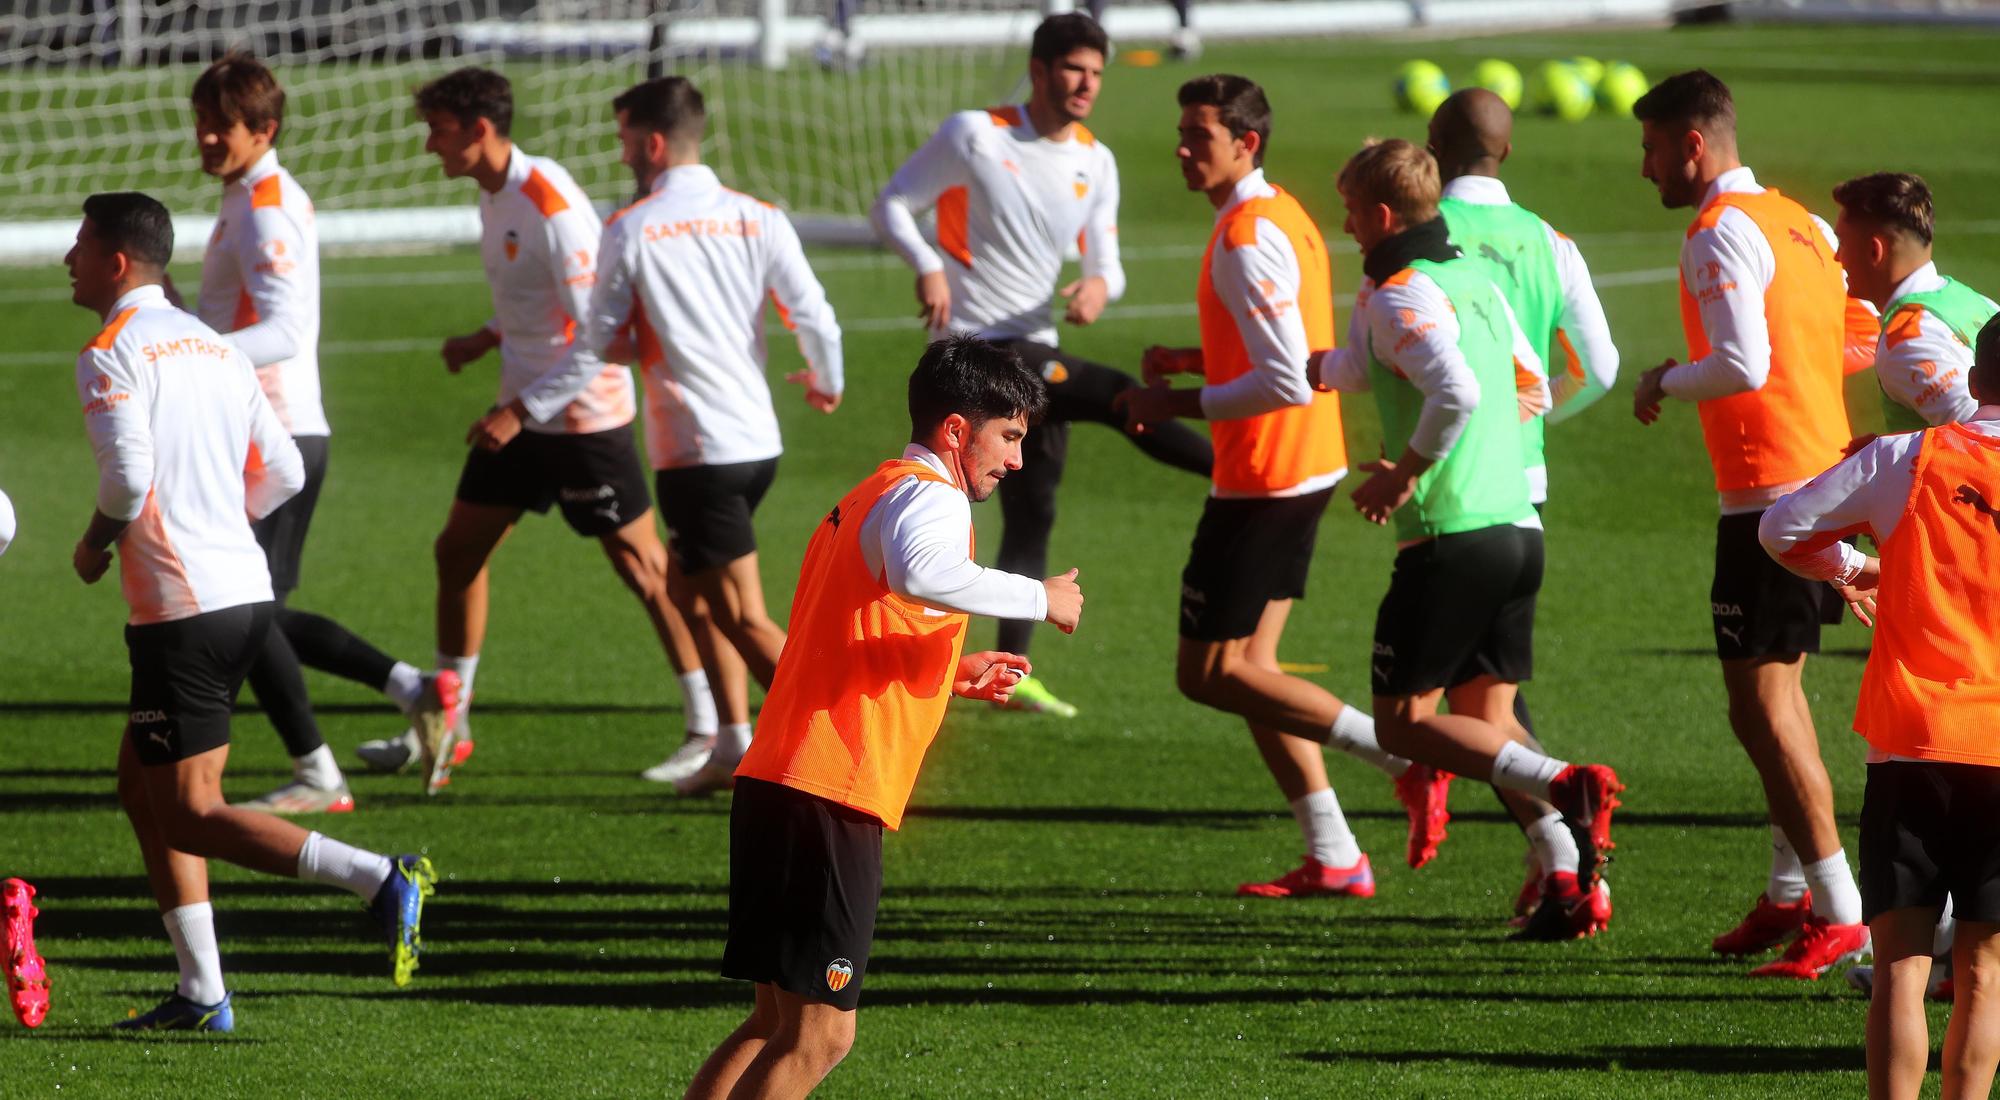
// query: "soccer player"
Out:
[27,975]
[1928,320]
[888,583]
[1437,343]
[1265,294]
[1547,285]
[188,451]
[1763,308]
[691,265]
[1928,696]
[260,286]
[1015,188]
[538,243]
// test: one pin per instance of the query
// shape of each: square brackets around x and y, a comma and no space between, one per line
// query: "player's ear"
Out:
[1253,143]
[956,431]
[1694,144]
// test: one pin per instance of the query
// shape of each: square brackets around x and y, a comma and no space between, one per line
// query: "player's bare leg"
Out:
[1223,675]
[729,685]
[735,596]
[1972,1039]
[720,1072]
[641,561]
[811,1038]
[175,877]
[1899,1044]
[472,532]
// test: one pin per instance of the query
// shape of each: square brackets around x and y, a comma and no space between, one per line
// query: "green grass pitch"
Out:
[1059,916]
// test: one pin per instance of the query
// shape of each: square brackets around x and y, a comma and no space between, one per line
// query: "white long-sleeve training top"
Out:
[1010,205]
[1867,491]
[189,452]
[1413,329]
[699,261]
[1923,366]
[538,243]
[1265,274]
[917,540]
[260,287]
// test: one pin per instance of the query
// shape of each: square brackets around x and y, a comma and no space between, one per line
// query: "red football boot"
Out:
[1821,945]
[1566,912]
[1423,790]
[1768,925]
[1314,879]
[1586,794]
[27,976]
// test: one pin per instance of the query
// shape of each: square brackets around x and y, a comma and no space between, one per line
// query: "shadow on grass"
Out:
[1675,1058]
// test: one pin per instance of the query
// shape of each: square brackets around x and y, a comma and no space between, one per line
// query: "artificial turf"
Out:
[1059,915]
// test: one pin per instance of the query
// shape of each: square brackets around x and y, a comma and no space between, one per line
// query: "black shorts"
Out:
[596,478]
[1459,607]
[805,878]
[1247,552]
[708,510]
[282,534]
[1762,609]
[1929,830]
[185,676]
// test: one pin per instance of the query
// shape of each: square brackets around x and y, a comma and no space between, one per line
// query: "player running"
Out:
[888,583]
[538,244]
[1454,378]
[1928,831]
[188,451]
[1265,295]
[691,265]
[1763,308]
[1924,353]
[1015,188]
[1547,285]
[260,285]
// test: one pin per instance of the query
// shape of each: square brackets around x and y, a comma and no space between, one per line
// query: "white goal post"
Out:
[93,93]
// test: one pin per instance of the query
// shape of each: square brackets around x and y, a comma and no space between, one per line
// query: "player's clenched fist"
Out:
[496,429]
[1065,602]
[934,296]
[460,350]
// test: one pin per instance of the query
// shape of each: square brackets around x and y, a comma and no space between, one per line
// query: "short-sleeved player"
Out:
[1265,300]
[1930,842]
[875,653]
[691,267]
[260,285]
[538,245]
[1016,188]
[189,451]
[1765,312]
[1924,353]
[1454,377]
[1546,283]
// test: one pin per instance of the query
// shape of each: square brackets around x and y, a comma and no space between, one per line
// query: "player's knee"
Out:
[1979,981]
[827,1039]
[1200,678]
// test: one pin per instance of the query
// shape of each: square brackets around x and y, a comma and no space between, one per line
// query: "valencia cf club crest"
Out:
[1054,372]
[1082,185]
[838,973]
[512,245]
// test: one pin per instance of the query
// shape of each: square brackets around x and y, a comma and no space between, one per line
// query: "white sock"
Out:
[1354,734]
[1788,877]
[1328,839]
[192,928]
[464,666]
[328,862]
[730,745]
[1554,844]
[698,704]
[1516,767]
[315,769]
[406,683]
[1834,895]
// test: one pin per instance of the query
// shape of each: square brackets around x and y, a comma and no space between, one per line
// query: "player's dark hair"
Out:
[1984,378]
[1696,100]
[240,88]
[1892,200]
[133,223]
[978,380]
[1238,101]
[1060,35]
[470,94]
[670,106]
